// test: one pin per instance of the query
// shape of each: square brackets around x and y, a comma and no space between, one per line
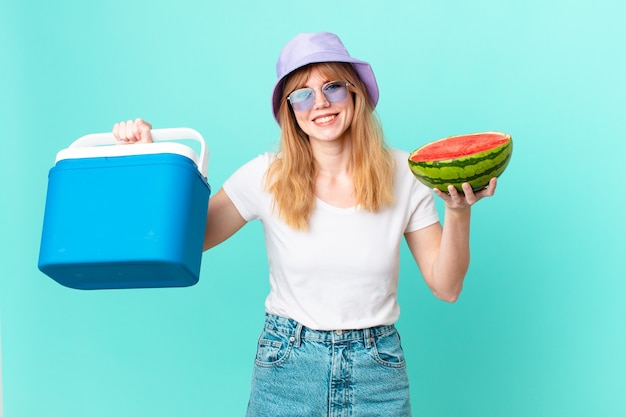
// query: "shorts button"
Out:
[339,332]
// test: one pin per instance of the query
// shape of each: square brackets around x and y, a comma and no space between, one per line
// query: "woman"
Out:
[335,203]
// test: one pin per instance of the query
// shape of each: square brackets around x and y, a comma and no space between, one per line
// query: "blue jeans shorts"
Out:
[312,373]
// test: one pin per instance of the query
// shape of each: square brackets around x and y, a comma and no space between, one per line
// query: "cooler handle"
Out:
[158,135]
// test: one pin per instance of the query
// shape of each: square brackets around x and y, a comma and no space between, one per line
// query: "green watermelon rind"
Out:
[476,169]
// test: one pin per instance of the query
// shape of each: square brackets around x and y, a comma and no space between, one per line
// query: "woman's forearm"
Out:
[452,262]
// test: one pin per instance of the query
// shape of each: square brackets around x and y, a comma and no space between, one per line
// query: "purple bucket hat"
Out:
[309,48]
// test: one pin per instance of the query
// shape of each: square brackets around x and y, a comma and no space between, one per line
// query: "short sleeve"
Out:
[246,187]
[423,204]
[416,198]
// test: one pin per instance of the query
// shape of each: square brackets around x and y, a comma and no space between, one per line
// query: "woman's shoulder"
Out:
[404,177]
[253,168]
[401,157]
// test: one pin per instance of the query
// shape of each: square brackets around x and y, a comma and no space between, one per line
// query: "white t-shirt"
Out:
[341,273]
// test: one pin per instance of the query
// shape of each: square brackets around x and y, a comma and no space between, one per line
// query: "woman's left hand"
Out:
[459,201]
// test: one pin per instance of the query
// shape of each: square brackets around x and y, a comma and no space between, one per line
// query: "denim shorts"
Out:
[312,373]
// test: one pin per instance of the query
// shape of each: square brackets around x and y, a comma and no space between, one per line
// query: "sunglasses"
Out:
[304,98]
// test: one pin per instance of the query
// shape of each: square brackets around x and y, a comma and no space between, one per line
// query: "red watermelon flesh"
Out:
[456,147]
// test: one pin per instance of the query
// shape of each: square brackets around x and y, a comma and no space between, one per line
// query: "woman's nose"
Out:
[320,99]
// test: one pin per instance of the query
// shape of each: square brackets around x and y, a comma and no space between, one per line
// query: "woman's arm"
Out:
[223,220]
[442,254]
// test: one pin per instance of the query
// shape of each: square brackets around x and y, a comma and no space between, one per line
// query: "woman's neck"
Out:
[333,183]
[332,158]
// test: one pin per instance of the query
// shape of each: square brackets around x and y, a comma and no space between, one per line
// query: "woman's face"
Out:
[325,121]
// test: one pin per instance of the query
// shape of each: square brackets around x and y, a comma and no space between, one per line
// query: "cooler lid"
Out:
[98,145]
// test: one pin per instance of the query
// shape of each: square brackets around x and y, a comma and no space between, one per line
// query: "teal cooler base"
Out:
[124,222]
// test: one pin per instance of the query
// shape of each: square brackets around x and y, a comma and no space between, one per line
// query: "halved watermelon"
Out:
[474,158]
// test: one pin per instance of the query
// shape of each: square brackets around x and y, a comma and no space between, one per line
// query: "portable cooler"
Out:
[126,216]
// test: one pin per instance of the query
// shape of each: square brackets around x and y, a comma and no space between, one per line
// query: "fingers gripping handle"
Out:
[158,135]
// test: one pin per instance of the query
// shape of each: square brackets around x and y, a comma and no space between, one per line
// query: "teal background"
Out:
[539,329]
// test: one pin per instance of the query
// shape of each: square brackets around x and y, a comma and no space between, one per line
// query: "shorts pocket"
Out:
[272,348]
[387,350]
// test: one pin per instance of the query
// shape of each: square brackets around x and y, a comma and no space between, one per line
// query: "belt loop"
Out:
[366,338]
[297,336]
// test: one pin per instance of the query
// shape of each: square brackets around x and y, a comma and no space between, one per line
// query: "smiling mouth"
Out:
[325,119]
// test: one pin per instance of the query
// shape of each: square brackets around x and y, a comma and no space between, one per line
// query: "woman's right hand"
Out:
[133,131]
